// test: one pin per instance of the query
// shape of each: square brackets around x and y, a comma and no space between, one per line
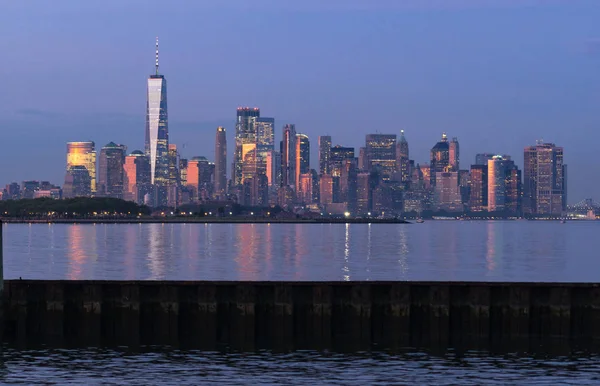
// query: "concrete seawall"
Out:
[301,315]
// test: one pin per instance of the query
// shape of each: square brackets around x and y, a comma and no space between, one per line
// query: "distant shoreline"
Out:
[205,221]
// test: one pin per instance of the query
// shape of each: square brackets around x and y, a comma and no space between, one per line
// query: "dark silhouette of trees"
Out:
[71,208]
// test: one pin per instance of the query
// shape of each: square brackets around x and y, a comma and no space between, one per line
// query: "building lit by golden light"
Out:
[136,173]
[83,154]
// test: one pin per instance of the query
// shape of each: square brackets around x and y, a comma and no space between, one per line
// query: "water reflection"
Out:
[490,247]
[506,251]
[76,252]
[156,263]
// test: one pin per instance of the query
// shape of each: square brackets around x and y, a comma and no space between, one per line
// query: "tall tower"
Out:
[302,157]
[324,154]
[440,158]
[496,184]
[454,154]
[245,142]
[402,158]
[544,185]
[157,127]
[83,154]
[110,170]
[221,162]
[288,155]
[381,153]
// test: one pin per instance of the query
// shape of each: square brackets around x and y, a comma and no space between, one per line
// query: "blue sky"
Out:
[497,74]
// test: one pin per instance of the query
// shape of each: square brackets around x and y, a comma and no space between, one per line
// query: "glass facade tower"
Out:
[157,128]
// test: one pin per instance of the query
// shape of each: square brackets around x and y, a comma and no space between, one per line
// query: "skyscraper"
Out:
[77,182]
[545,188]
[380,151]
[265,132]
[288,155]
[337,157]
[454,154]
[496,184]
[478,194]
[157,130]
[439,158]
[110,170]
[245,143]
[302,157]
[83,154]
[221,162]
[324,154]
[402,160]
[136,177]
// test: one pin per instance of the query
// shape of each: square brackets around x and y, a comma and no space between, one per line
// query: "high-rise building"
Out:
[110,170]
[288,155]
[136,177]
[77,182]
[173,165]
[302,157]
[363,193]
[496,184]
[199,178]
[380,152]
[157,130]
[83,154]
[363,163]
[221,162]
[483,158]
[265,132]
[544,186]
[326,189]
[446,192]
[439,158]
[454,154]
[513,189]
[402,160]
[245,143]
[478,195]
[337,157]
[324,154]
[305,188]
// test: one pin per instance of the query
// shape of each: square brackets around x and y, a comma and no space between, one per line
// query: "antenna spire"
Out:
[156,65]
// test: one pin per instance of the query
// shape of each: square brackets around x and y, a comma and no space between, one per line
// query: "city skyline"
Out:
[526,115]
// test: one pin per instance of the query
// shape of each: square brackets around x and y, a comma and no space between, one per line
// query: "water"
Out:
[434,250]
[171,367]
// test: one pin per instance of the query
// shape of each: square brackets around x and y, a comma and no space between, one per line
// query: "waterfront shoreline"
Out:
[204,221]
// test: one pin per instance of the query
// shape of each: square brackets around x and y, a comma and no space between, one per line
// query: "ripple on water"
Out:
[174,367]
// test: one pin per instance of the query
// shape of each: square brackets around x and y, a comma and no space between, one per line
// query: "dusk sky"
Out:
[497,74]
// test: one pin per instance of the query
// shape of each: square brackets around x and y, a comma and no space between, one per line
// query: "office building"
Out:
[157,131]
[288,156]
[83,154]
[447,192]
[544,175]
[302,157]
[77,182]
[439,158]
[478,192]
[199,178]
[221,162]
[245,143]
[380,153]
[324,154]
[402,158]
[454,155]
[496,184]
[326,189]
[136,177]
[110,170]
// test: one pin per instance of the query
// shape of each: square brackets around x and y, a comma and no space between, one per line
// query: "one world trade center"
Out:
[157,134]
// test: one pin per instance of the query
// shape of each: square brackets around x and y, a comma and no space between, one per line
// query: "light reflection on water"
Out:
[434,250]
[173,367]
